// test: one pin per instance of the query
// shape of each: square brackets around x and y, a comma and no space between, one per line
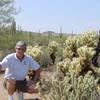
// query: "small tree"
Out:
[7,11]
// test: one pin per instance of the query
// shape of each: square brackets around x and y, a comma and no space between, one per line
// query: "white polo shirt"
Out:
[18,69]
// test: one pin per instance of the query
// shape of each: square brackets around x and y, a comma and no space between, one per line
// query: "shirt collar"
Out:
[17,58]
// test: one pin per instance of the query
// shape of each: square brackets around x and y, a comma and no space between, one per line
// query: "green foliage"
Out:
[41,40]
[7,11]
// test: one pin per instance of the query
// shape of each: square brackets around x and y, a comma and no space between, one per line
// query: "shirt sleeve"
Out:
[33,64]
[5,63]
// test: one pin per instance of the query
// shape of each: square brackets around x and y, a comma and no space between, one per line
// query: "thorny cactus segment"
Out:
[52,47]
[89,39]
[36,52]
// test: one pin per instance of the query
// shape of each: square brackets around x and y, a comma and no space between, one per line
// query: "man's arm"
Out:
[1,69]
[32,83]
[37,75]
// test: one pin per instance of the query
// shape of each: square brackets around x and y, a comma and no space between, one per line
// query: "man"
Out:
[16,67]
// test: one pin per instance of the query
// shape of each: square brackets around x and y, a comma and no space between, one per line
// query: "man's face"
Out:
[20,50]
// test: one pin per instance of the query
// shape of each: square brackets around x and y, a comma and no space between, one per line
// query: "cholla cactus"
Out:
[86,53]
[89,39]
[76,66]
[35,52]
[69,88]
[29,50]
[71,46]
[52,47]
[80,65]
[64,65]
[67,53]
[73,42]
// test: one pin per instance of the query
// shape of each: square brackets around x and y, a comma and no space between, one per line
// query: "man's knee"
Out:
[11,86]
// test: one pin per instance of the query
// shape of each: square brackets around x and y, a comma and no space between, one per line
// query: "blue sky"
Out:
[72,15]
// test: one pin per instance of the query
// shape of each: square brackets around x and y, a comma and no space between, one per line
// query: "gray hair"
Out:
[21,44]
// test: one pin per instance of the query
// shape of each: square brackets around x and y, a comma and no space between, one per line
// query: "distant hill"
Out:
[48,32]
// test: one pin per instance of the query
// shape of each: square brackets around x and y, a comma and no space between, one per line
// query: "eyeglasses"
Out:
[20,49]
